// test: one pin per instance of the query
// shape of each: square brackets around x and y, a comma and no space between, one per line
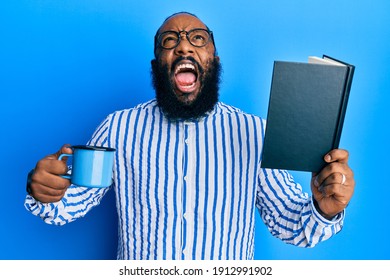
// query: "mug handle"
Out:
[65,176]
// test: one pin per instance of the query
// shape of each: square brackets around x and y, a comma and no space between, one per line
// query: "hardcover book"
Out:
[306,111]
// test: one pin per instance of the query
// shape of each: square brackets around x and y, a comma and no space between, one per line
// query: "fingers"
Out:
[50,181]
[334,173]
[334,185]
[47,187]
[336,179]
[46,193]
[51,165]
[337,160]
[46,184]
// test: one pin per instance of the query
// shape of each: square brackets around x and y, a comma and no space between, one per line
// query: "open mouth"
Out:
[186,77]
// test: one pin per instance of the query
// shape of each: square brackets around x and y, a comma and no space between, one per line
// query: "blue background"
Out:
[65,65]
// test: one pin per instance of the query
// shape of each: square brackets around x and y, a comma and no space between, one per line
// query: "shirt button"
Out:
[186,141]
[185,178]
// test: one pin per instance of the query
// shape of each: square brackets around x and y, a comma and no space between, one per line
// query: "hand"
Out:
[46,184]
[333,187]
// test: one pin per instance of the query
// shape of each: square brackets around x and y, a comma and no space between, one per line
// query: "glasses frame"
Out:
[178,33]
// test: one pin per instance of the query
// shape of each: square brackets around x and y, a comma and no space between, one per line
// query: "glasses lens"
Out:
[169,39]
[199,37]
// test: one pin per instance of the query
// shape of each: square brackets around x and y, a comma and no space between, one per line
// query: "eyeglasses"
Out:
[197,37]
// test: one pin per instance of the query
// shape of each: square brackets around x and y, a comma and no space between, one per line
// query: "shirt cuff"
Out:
[37,207]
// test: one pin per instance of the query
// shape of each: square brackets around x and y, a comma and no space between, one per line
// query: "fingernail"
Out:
[316,182]
[328,158]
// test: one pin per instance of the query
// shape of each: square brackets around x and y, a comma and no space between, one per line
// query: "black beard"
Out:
[167,100]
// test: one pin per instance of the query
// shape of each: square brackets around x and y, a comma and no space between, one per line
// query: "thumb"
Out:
[65,149]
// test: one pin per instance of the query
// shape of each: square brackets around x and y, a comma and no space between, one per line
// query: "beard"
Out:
[169,103]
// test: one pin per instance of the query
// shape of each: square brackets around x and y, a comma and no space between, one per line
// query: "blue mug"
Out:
[91,166]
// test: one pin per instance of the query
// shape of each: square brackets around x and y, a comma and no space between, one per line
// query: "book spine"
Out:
[343,106]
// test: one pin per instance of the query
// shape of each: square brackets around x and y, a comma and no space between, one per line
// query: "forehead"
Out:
[182,22]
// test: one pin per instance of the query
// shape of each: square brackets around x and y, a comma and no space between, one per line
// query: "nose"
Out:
[184,47]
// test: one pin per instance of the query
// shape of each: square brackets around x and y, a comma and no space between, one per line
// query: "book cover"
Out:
[306,112]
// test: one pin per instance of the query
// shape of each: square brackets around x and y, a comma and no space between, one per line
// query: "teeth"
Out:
[189,86]
[184,66]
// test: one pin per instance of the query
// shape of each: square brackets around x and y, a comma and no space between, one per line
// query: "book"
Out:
[306,111]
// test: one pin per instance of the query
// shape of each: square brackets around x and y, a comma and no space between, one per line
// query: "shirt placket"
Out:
[188,174]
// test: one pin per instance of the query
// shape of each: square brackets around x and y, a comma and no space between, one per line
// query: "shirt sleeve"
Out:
[289,213]
[78,200]
[76,203]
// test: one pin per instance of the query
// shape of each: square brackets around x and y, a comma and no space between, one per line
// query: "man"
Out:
[187,170]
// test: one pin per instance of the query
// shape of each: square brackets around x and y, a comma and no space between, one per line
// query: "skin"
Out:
[46,184]
[331,196]
[203,55]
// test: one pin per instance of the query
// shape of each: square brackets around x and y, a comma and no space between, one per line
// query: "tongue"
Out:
[185,78]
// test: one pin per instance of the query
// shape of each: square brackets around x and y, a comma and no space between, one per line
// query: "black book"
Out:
[306,112]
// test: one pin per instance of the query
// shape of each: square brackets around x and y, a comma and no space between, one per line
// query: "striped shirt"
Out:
[190,189]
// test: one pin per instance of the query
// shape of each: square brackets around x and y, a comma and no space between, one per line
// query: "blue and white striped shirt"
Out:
[189,189]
